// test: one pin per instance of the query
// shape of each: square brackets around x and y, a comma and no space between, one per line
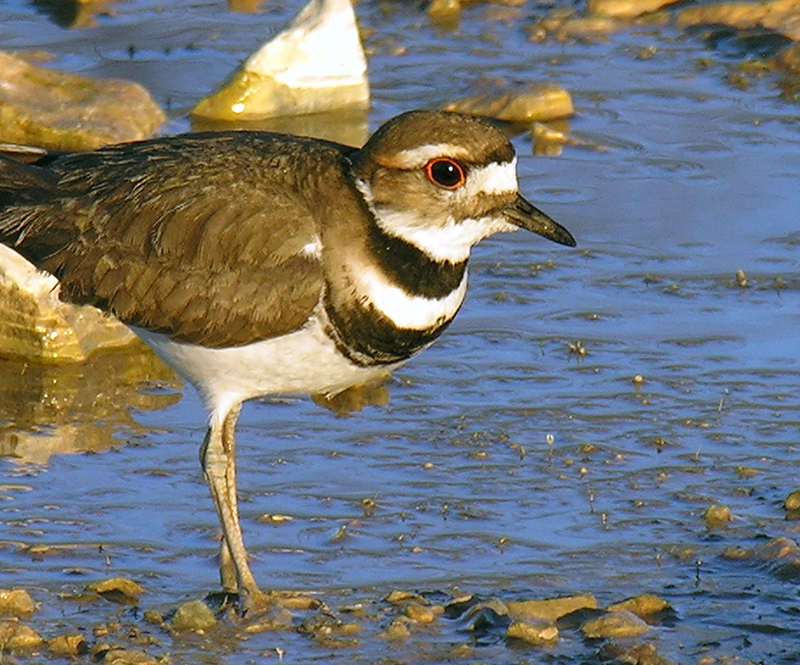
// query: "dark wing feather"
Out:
[200,237]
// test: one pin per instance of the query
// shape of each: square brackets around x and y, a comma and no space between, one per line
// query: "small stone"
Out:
[16,636]
[717,516]
[193,615]
[621,624]
[624,8]
[636,654]
[533,633]
[549,609]
[419,613]
[153,617]
[792,502]
[68,645]
[16,602]
[127,657]
[117,589]
[534,102]
[642,606]
[397,630]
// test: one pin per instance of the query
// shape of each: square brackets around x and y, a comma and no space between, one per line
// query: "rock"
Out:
[420,613]
[534,102]
[117,589]
[550,609]
[52,109]
[717,516]
[644,605]
[620,625]
[16,602]
[15,636]
[533,633]
[316,65]
[193,615]
[68,645]
[624,8]
[118,656]
[37,326]
[788,58]
[397,630]
[783,16]
[792,502]
[781,555]
[637,654]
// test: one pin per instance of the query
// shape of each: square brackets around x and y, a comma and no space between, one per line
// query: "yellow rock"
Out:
[52,109]
[550,609]
[314,66]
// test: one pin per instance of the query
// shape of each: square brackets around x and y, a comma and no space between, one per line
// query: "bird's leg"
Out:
[218,457]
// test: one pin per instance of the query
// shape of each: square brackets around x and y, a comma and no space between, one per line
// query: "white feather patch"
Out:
[407,311]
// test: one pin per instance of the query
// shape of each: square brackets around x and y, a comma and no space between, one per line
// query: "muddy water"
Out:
[518,458]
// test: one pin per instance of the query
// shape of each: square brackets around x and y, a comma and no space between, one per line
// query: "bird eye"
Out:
[445,173]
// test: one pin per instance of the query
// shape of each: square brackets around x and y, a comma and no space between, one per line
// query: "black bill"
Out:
[528,217]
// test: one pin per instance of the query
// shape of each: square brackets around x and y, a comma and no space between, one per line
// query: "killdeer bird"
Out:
[257,263]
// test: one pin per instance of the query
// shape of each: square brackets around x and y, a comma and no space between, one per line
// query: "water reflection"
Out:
[49,409]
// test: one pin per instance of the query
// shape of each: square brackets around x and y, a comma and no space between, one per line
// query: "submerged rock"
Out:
[783,16]
[549,609]
[620,625]
[534,102]
[316,65]
[625,8]
[62,111]
[644,605]
[533,633]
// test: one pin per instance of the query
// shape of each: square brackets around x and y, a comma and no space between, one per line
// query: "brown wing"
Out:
[203,237]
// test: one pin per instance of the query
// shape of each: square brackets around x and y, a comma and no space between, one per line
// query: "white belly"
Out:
[305,362]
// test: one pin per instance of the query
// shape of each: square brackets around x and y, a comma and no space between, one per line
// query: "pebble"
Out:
[16,602]
[117,589]
[637,654]
[397,630]
[717,516]
[792,502]
[534,102]
[419,613]
[68,645]
[620,624]
[193,615]
[117,656]
[624,8]
[533,633]
[549,609]
[15,636]
[644,605]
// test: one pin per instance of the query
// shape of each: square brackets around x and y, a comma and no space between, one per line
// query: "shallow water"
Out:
[507,463]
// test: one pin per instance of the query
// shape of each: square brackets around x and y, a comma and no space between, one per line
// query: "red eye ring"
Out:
[445,173]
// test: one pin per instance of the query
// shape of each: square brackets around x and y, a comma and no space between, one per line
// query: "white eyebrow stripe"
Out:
[418,157]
